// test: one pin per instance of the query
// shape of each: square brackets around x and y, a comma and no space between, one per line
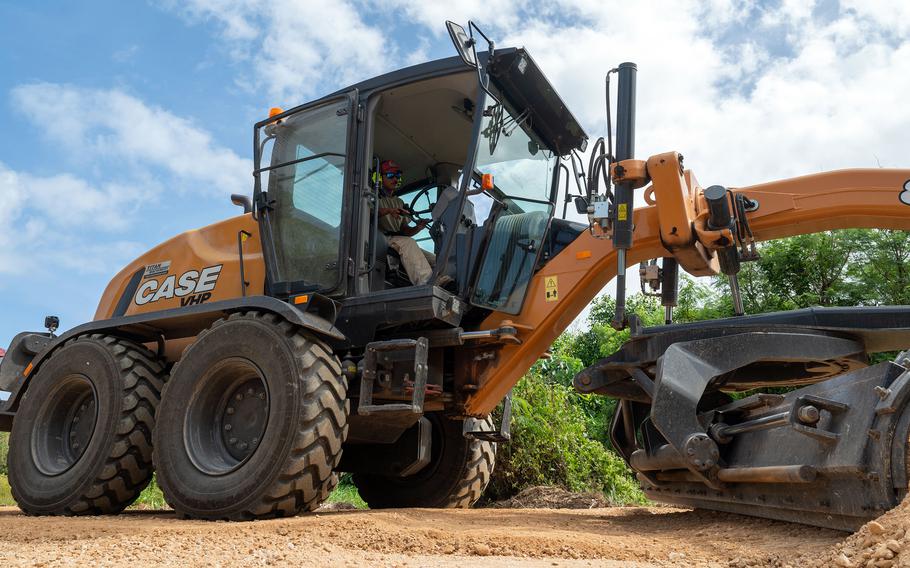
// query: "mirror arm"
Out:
[242,201]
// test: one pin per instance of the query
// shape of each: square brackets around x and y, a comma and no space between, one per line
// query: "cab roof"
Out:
[517,76]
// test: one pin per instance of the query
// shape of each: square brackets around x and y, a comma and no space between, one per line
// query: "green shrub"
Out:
[150,498]
[551,445]
[4,451]
[6,496]
[346,492]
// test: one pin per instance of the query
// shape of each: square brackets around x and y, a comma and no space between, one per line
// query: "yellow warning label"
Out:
[622,213]
[551,287]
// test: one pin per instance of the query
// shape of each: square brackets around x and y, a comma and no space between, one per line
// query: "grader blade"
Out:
[831,454]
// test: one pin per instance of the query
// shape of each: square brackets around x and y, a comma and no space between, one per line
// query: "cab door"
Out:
[303,196]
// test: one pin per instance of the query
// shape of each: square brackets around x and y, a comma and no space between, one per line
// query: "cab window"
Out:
[309,195]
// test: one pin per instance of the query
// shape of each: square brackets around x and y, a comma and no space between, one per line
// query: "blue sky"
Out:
[124,123]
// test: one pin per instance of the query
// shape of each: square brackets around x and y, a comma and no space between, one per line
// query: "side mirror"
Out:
[463,43]
[581,205]
[242,201]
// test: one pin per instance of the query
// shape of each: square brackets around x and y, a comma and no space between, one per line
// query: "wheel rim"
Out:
[64,425]
[227,416]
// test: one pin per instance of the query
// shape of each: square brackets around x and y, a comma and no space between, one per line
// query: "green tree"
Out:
[882,267]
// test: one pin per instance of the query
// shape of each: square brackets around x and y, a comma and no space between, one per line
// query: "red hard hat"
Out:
[389,166]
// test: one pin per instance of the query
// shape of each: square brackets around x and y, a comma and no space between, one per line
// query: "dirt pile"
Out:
[882,543]
[543,497]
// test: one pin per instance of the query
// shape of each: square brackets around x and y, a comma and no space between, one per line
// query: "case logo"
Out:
[905,195]
[192,287]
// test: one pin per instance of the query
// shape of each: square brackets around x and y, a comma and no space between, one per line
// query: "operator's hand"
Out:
[422,223]
[393,211]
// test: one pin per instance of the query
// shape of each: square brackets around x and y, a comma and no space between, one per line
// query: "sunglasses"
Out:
[393,175]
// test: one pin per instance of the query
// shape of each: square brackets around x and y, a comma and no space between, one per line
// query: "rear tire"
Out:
[459,471]
[81,442]
[252,422]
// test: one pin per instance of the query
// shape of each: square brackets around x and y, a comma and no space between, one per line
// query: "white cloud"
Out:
[297,47]
[747,91]
[97,124]
[52,217]
[126,54]
[831,97]
[135,156]
[489,14]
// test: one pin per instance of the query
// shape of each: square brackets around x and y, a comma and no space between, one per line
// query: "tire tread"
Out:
[306,477]
[128,468]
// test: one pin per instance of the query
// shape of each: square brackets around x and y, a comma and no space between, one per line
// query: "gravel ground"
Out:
[618,536]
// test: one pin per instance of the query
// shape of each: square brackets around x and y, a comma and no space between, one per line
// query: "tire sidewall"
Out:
[435,484]
[35,491]
[216,496]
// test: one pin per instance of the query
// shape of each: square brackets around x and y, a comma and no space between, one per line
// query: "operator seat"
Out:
[447,217]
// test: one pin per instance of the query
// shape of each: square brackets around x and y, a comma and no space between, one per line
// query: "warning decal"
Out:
[551,288]
[622,212]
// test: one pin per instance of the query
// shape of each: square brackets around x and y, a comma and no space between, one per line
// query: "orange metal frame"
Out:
[676,224]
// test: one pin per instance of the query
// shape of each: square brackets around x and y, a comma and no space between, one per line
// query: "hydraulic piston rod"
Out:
[625,192]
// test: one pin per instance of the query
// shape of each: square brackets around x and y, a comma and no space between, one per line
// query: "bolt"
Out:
[243,445]
[808,414]
[249,392]
[585,380]
[882,392]
[230,410]
[232,441]
[75,445]
[261,396]
[254,441]
[228,427]
[239,396]
[75,419]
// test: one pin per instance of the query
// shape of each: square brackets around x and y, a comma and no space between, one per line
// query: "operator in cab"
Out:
[417,262]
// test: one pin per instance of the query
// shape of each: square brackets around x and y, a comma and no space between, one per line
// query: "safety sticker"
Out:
[905,195]
[622,212]
[551,287]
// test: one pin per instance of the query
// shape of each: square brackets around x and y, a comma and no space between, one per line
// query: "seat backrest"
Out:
[446,211]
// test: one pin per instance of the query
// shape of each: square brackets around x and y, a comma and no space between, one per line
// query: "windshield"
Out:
[521,165]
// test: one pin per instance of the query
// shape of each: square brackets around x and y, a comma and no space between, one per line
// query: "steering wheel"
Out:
[424,214]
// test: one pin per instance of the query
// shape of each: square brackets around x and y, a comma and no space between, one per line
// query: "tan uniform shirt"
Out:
[390,224]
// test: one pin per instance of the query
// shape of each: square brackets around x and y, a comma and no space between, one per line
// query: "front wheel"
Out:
[252,422]
[81,442]
[459,470]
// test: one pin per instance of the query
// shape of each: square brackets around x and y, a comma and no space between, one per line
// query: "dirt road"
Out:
[636,536]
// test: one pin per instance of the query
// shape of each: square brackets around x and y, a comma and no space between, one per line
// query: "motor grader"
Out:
[248,361]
